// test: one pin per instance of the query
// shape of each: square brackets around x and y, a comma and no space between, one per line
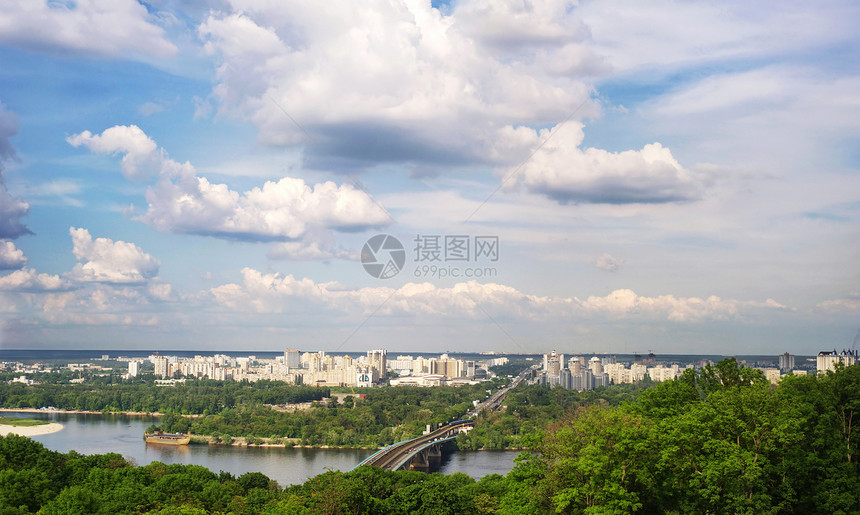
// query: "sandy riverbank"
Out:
[43,429]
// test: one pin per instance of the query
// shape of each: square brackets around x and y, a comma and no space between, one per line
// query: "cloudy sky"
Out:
[611,176]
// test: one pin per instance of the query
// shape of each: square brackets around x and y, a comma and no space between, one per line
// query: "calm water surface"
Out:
[99,434]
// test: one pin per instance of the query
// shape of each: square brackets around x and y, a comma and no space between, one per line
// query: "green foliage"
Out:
[531,408]
[194,397]
[598,458]
[727,374]
[374,491]
[826,408]
[21,422]
[33,478]
[74,499]
[252,480]
[720,441]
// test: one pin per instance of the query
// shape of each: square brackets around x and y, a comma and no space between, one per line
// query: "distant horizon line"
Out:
[484,353]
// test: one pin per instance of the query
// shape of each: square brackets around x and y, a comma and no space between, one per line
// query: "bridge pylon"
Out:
[426,459]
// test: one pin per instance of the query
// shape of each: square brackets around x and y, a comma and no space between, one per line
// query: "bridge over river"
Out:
[417,453]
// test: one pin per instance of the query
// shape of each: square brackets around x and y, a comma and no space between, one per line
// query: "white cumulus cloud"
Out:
[98,27]
[563,171]
[11,257]
[622,303]
[276,293]
[141,157]
[365,82]
[281,210]
[28,280]
[183,202]
[107,261]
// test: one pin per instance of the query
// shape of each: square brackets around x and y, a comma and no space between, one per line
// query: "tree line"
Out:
[196,397]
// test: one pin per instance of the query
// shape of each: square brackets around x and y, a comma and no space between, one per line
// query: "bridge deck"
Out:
[397,455]
[407,456]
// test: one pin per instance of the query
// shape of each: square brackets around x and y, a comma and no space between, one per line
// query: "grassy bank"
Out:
[21,422]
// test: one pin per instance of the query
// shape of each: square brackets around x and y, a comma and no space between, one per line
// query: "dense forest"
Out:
[722,440]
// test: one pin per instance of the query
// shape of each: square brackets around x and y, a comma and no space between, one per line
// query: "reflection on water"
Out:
[99,434]
[169,453]
[479,463]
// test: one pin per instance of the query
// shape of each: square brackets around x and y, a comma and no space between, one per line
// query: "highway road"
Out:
[495,401]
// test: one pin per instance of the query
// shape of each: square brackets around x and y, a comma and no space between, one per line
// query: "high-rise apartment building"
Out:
[553,362]
[827,359]
[596,366]
[161,366]
[786,362]
[446,366]
[292,359]
[377,360]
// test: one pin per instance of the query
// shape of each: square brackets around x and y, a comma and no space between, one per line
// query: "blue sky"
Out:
[681,178]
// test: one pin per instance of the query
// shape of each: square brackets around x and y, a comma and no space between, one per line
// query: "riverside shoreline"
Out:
[43,429]
[86,412]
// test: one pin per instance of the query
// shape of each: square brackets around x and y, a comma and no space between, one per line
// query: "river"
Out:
[99,434]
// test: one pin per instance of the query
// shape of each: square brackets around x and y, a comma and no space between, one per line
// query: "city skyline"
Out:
[613,177]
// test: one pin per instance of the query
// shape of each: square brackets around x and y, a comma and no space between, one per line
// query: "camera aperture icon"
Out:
[383,256]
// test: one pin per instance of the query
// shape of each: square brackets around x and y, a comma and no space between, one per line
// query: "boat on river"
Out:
[167,438]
